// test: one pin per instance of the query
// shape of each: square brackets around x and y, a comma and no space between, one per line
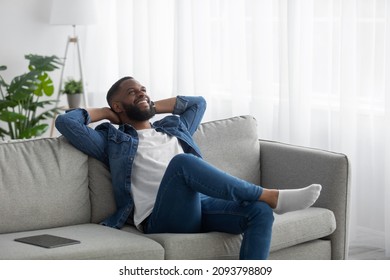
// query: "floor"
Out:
[366,253]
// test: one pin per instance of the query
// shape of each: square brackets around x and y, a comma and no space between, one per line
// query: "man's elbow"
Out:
[60,122]
[203,100]
[202,103]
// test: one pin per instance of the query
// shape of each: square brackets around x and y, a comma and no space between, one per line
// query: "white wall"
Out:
[25,29]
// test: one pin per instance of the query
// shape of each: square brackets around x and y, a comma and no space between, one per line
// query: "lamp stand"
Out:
[74,40]
[71,40]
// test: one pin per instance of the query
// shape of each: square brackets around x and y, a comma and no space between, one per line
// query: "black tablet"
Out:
[47,241]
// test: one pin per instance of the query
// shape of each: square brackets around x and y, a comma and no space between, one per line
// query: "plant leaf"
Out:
[20,99]
[32,106]
[39,129]
[3,83]
[44,85]
[43,116]
[7,104]
[43,63]
[23,86]
[3,132]
[8,116]
[34,131]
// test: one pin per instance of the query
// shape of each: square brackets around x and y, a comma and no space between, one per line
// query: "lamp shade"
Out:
[73,12]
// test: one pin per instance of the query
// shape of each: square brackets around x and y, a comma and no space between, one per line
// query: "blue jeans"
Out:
[196,197]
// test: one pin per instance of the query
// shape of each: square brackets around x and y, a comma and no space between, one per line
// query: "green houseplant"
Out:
[73,89]
[22,109]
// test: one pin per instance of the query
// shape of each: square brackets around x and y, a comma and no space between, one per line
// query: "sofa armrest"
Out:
[287,166]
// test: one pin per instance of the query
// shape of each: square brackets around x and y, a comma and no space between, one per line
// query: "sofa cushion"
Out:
[101,192]
[232,145]
[289,229]
[237,135]
[318,249]
[301,226]
[96,242]
[212,245]
[43,184]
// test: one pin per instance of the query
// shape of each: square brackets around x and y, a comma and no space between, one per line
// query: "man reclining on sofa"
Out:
[161,183]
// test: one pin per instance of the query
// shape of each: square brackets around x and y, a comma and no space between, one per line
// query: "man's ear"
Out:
[117,107]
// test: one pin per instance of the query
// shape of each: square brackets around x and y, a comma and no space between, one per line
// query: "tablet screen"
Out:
[47,241]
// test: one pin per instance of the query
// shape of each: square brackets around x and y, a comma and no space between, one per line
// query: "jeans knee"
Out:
[182,159]
[263,213]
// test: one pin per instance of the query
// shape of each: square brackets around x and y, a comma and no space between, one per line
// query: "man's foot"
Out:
[297,199]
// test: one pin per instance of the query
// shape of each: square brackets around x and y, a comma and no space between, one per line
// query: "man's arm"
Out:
[165,106]
[190,109]
[74,126]
[105,113]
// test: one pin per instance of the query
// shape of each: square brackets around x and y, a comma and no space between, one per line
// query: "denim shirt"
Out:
[117,147]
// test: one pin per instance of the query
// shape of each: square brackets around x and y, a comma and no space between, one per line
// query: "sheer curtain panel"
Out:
[312,72]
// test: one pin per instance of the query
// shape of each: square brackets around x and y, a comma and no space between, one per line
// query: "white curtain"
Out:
[313,73]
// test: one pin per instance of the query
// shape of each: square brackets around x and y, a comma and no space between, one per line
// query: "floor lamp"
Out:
[73,13]
[74,40]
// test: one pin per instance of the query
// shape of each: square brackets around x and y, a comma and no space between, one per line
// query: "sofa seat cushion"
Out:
[289,229]
[319,249]
[301,226]
[97,242]
[201,246]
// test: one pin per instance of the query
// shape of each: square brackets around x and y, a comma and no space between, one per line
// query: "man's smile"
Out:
[142,100]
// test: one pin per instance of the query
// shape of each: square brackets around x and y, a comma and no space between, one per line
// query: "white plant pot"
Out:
[74,100]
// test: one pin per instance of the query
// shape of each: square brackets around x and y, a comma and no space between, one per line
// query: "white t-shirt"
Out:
[155,151]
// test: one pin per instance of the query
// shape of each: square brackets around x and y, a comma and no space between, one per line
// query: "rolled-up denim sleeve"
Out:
[74,126]
[191,110]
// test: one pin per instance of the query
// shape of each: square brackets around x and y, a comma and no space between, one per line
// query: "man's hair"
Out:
[114,89]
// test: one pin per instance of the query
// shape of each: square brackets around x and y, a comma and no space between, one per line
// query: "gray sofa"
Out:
[49,187]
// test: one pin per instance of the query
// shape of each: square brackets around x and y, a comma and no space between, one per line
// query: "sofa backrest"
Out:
[231,145]
[43,184]
[101,192]
[48,183]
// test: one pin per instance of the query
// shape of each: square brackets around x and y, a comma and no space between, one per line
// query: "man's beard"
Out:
[135,113]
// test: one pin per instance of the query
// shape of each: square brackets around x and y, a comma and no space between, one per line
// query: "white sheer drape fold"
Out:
[312,72]
[387,134]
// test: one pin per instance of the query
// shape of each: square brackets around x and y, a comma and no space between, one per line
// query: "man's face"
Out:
[134,101]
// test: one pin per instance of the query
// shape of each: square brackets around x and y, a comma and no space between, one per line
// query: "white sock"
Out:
[297,199]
